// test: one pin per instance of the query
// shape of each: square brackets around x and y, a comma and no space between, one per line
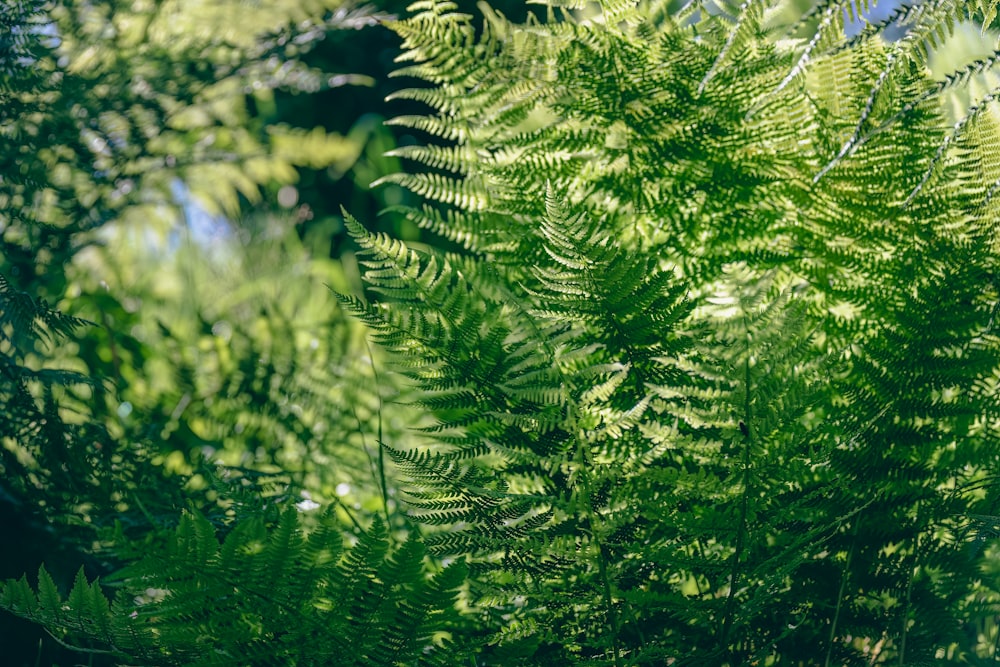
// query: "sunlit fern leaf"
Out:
[462,193]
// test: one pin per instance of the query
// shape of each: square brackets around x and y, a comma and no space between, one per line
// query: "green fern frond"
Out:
[26,320]
[464,193]
[261,595]
[453,159]
[746,29]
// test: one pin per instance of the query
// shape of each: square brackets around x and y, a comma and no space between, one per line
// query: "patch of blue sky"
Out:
[198,225]
[876,12]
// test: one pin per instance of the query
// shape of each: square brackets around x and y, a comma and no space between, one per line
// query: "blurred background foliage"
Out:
[165,175]
[172,173]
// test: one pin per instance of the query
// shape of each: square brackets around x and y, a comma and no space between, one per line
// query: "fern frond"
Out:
[696,276]
[264,595]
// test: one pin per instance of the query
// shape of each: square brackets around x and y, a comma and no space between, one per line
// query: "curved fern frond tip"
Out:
[357,231]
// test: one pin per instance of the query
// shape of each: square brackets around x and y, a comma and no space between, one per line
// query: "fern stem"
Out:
[734,577]
[996,639]
[700,552]
[349,513]
[602,566]
[840,594]
[593,522]
[904,631]
[383,487]
[82,649]
[906,618]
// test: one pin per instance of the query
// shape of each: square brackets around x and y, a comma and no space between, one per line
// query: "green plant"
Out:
[834,242]
[106,110]
[266,594]
[114,120]
[715,379]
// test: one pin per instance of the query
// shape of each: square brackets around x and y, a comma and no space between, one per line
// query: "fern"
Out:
[713,382]
[262,595]
[696,302]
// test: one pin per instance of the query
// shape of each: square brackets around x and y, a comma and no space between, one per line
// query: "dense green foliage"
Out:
[259,597]
[114,120]
[715,379]
[787,471]
[145,340]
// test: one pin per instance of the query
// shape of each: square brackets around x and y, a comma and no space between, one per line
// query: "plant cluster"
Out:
[124,129]
[715,379]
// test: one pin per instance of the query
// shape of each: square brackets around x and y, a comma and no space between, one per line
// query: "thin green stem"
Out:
[602,567]
[906,620]
[380,468]
[741,533]
[840,595]
[593,526]
[904,631]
